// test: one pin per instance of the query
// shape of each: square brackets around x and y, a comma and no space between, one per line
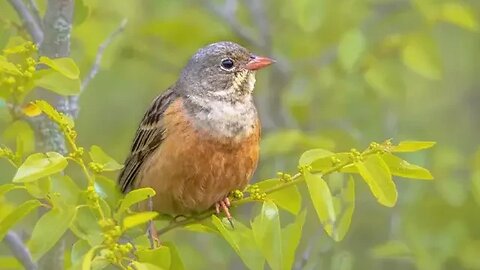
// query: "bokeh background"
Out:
[349,72]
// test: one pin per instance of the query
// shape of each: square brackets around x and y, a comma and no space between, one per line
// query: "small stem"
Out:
[296,179]
[90,180]
[20,251]
[32,26]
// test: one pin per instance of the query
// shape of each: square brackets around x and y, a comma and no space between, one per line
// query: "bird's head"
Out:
[222,70]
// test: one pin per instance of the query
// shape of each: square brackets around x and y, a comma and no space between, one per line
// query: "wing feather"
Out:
[149,136]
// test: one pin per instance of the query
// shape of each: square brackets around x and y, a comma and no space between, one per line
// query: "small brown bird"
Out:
[199,140]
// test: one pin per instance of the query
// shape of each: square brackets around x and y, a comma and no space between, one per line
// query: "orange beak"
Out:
[258,62]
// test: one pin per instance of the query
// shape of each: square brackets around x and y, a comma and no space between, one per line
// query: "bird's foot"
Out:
[152,230]
[153,235]
[224,205]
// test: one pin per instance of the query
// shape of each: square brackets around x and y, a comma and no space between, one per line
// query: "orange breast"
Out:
[192,170]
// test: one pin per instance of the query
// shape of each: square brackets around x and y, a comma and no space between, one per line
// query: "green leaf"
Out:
[105,207]
[65,66]
[8,67]
[137,219]
[40,188]
[242,241]
[21,133]
[20,212]
[108,190]
[400,167]
[79,249]
[49,229]
[378,177]
[351,47]
[99,156]
[40,165]
[288,198]
[56,82]
[82,12]
[458,14]
[176,261]
[267,234]
[314,154]
[16,45]
[159,256]
[134,197]
[327,162]
[85,226]
[8,187]
[146,266]
[344,218]
[291,236]
[322,201]
[67,189]
[88,258]
[100,262]
[412,146]
[420,55]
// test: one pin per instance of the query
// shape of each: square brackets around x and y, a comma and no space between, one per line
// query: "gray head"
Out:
[222,70]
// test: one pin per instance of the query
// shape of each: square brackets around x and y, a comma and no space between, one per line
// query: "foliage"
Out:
[109,230]
[347,73]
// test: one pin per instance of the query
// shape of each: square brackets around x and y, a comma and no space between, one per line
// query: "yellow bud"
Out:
[31,110]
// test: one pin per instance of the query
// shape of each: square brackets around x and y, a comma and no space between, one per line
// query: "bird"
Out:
[199,139]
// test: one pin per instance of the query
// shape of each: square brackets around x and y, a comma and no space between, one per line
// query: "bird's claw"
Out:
[224,206]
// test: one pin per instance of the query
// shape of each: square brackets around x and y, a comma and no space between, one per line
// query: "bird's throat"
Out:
[233,120]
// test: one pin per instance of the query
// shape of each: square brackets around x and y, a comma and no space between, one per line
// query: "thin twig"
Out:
[101,50]
[20,251]
[227,13]
[35,12]
[260,18]
[29,20]
[296,179]
[73,100]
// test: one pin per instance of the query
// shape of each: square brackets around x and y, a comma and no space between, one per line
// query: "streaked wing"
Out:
[148,137]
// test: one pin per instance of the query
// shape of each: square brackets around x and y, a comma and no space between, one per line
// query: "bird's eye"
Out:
[227,64]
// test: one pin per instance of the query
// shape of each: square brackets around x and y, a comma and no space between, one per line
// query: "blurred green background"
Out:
[349,72]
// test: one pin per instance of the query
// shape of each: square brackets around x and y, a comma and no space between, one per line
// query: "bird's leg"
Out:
[152,231]
[224,205]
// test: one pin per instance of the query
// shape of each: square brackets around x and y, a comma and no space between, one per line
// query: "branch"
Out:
[73,100]
[29,20]
[56,43]
[260,19]
[227,13]
[36,13]
[20,251]
[295,180]
[101,50]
